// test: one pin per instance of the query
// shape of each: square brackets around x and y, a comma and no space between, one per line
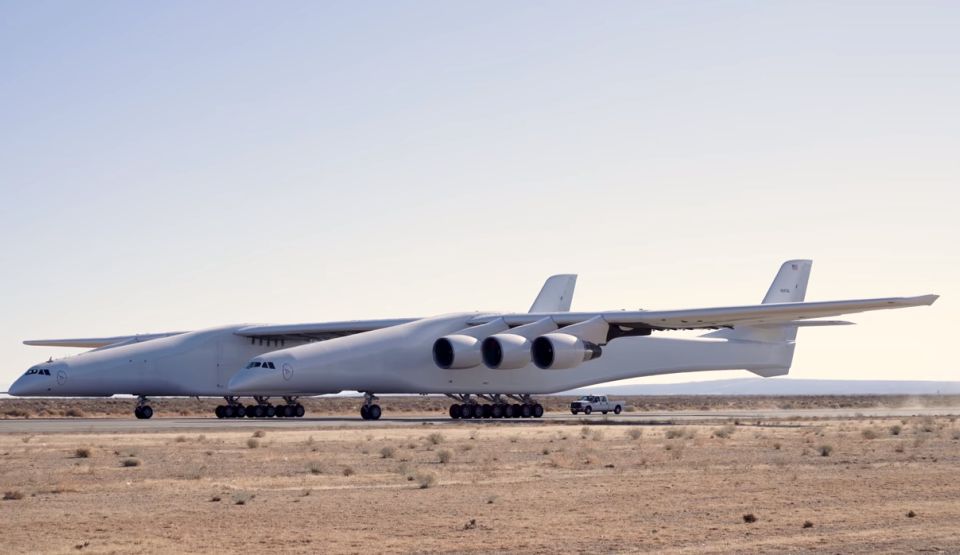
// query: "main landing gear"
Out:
[263,409]
[497,407]
[143,410]
[370,410]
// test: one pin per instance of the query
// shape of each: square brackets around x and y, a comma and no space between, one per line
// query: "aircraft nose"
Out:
[25,387]
[246,381]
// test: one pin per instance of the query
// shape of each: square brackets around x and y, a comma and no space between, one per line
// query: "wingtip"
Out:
[929,299]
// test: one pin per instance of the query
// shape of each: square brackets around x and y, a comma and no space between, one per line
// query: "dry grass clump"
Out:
[444,456]
[82,452]
[674,433]
[348,471]
[807,524]
[259,433]
[895,429]
[425,478]
[73,413]
[253,443]
[13,495]
[435,438]
[315,468]
[724,432]
[635,433]
[387,452]
[749,518]
[180,439]
[825,450]
[127,463]
[869,433]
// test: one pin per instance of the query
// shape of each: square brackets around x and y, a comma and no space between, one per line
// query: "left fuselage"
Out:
[198,363]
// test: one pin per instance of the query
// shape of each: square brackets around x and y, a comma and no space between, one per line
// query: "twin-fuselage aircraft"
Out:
[491,364]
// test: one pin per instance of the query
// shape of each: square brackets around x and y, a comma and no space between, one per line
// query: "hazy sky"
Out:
[175,165]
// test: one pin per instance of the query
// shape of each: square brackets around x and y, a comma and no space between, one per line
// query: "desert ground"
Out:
[580,485]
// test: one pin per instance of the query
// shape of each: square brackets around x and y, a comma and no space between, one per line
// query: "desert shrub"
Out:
[315,468]
[825,450]
[466,447]
[425,479]
[215,499]
[895,430]
[956,436]
[807,524]
[749,518]
[514,439]
[545,451]
[73,413]
[17,413]
[777,445]
[911,514]
[180,439]
[444,456]
[869,433]
[899,447]
[83,452]
[259,433]
[724,432]
[242,498]
[674,433]
[435,438]
[130,462]
[348,471]
[253,443]
[387,452]
[13,495]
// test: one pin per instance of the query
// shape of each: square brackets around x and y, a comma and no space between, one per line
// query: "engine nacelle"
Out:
[457,351]
[556,351]
[506,351]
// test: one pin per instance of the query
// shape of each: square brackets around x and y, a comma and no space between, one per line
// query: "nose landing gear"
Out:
[370,410]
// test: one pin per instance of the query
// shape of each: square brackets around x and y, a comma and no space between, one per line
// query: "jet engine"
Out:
[456,351]
[506,351]
[556,351]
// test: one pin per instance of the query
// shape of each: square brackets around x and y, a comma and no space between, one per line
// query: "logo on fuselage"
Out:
[61,376]
[287,371]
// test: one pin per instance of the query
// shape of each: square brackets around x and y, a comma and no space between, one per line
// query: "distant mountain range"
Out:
[780,386]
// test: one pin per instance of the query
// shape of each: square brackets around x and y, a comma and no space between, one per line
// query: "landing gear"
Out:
[370,410]
[496,408]
[143,410]
[263,409]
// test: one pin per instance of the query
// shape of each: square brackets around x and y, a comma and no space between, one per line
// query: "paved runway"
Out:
[113,425]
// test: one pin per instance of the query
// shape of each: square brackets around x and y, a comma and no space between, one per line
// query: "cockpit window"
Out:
[272,367]
[38,371]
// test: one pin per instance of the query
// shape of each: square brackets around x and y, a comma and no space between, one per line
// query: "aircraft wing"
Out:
[714,318]
[320,331]
[99,342]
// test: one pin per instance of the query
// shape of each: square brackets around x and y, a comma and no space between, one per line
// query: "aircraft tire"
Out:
[365,412]
[487,411]
[241,411]
[455,411]
[136,412]
[538,410]
[271,411]
[146,412]
[374,412]
[496,411]
[229,412]
[299,411]
[218,411]
[509,410]
[288,411]
[526,411]
[258,411]
[466,411]
[251,411]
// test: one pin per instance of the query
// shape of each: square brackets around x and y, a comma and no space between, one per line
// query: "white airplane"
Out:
[481,360]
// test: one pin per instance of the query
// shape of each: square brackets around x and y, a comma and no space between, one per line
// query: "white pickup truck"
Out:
[592,403]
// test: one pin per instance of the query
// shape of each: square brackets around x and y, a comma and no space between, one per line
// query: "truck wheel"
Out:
[574,411]
[587,410]
[617,409]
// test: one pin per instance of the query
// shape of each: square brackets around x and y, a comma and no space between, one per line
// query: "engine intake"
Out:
[456,351]
[556,351]
[506,351]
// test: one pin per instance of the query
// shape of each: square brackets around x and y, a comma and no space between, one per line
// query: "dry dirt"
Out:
[540,487]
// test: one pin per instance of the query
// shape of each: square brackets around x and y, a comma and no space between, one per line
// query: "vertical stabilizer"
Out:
[790,285]
[556,294]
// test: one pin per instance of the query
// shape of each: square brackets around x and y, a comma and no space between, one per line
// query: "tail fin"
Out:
[790,286]
[556,294]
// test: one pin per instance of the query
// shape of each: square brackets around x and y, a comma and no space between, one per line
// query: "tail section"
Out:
[556,294]
[789,286]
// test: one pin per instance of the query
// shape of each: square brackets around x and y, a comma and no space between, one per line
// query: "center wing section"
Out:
[320,331]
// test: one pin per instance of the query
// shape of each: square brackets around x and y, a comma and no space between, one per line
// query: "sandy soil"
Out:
[540,487]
